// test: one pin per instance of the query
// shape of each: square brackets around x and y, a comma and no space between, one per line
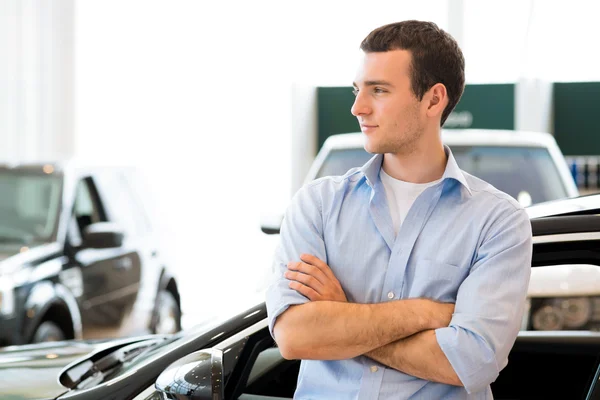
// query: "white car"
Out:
[528,166]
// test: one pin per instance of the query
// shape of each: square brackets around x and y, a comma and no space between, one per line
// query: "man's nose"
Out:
[360,106]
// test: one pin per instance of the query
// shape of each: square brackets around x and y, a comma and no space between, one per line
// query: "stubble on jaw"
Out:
[402,141]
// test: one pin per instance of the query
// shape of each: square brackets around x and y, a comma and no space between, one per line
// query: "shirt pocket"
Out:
[436,280]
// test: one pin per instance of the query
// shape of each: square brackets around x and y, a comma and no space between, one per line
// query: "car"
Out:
[564,297]
[79,255]
[233,356]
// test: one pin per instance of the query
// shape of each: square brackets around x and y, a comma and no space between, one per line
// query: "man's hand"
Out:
[314,279]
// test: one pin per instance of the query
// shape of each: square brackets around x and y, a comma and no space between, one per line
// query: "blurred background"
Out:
[223,106]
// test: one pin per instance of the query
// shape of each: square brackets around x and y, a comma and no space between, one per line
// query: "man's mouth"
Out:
[367,127]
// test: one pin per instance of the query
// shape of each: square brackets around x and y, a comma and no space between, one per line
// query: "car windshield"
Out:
[29,206]
[526,173]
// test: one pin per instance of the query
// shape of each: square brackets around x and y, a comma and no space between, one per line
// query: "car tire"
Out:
[167,315]
[48,331]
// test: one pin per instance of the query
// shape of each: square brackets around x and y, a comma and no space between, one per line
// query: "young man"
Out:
[407,277]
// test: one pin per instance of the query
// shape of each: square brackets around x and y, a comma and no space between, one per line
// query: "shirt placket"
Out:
[394,277]
[371,380]
[410,230]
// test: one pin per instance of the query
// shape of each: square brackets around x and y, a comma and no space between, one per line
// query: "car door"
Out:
[143,271]
[109,276]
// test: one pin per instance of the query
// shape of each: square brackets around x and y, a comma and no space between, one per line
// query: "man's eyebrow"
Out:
[374,83]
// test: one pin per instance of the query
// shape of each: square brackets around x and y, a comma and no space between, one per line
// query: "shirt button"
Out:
[374,368]
[390,295]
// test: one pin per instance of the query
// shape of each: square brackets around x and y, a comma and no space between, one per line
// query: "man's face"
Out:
[390,115]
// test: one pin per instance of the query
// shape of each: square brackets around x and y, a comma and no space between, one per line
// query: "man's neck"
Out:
[419,166]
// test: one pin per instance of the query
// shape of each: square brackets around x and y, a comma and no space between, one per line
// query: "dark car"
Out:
[79,257]
[234,357]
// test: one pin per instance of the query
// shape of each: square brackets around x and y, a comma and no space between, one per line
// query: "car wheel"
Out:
[48,331]
[167,315]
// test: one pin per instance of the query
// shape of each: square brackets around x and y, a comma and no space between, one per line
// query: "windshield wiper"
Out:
[89,373]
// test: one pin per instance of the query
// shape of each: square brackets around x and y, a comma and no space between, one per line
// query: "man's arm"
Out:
[333,330]
[418,355]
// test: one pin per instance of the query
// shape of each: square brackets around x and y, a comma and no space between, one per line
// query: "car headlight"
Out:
[548,318]
[571,313]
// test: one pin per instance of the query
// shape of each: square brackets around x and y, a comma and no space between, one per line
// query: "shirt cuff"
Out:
[472,359]
[278,301]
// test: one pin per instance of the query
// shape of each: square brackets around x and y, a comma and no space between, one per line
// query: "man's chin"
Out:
[372,148]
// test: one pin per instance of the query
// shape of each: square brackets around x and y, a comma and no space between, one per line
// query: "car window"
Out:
[528,174]
[137,188]
[29,205]
[87,210]
[272,375]
[120,205]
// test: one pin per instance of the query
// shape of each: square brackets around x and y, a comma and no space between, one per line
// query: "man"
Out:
[407,277]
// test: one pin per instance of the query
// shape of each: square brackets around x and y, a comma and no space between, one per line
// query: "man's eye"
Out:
[355,92]
[379,90]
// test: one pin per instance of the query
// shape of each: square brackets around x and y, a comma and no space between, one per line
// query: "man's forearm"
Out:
[419,355]
[328,330]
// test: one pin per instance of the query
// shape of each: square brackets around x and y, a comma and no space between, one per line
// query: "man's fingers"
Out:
[310,259]
[317,262]
[304,290]
[309,269]
[307,280]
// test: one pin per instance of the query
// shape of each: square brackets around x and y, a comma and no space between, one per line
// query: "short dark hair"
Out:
[436,57]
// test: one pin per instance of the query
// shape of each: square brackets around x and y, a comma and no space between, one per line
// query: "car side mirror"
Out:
[271,223]
[197,376]
[102,235]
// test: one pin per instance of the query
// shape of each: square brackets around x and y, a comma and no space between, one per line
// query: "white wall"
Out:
[197,97]
[36,80]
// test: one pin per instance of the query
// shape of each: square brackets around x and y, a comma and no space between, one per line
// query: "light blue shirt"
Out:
[462,241]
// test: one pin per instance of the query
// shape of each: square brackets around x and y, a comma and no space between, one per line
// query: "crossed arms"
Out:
[398,334]
[465,344]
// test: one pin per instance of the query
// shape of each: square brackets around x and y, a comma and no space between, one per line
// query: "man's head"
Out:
[411,78]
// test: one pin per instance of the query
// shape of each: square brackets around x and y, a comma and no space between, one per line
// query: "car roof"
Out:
[492,137]
[588,204]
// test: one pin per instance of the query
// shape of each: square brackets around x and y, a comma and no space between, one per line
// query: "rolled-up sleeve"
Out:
[490,304]
[301,232]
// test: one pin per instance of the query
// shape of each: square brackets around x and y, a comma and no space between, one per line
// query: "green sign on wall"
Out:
[576,107]
[485,106]
[333,108]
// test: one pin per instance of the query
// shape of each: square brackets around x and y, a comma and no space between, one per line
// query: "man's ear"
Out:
[437,100]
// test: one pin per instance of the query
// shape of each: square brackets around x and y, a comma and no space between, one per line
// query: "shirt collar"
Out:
[373,166]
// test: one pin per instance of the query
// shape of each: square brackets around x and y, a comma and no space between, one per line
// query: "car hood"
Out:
[7,251]
[32,371]
[14,257]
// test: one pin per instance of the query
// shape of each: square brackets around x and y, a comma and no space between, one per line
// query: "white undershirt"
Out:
[401,195]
